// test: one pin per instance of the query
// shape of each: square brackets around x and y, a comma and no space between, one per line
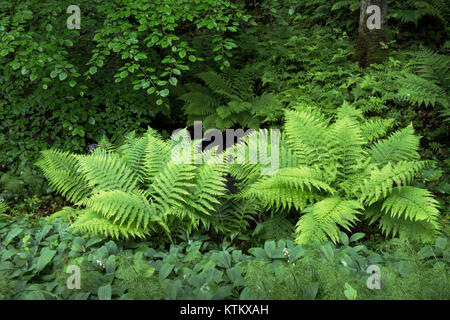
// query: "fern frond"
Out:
[140,153]
[170,186]
[402,145]
[228,100]
[66,213]
[233,215]
[107,171]
[433,67]
[406,15]
[90,221]
[199,101]
[347,110]
[289,187]
[105,144]
[158,153]
[345,145]
[418,91]
[411,203]
[62,171]
[432,9]
[276,227]
[307,136]
[266,106]
[422,230]
[405,228]
[123,208]
[375,128]
[219,85]
[209,185]
[322,220]
[3,207]
[382,181]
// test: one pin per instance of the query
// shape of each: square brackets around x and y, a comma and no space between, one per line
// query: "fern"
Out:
[420,91]
[353,4]
[322,219]
[413,11]
[233,215]
[276,227]
[3,207]
[433,66]
[343,168]
[403,145]
[428,83]
[375,128]
[434,8]
[141,187]
[228,99]
[301,185]
[382,181]
[105,144]
[412,203]
[61,169]
[305,135]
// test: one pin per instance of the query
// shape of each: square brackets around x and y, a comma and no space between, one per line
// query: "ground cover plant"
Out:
[35,256]
[92,177]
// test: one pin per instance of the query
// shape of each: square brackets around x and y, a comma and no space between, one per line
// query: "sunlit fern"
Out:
[343,170]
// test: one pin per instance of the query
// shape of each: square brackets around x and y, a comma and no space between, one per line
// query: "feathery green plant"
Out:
[228,100]
[338,172]
[137,188]
[3,207]
[413,10]
[428,83]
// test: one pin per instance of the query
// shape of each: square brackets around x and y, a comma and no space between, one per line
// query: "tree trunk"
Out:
[372,30]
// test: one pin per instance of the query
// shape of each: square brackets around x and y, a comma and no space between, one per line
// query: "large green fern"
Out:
[428,82]
[414,10]
[345,173]
[142,186]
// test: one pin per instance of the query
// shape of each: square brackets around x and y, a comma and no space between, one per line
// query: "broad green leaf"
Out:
[164,93]
[350,292]
[357,236]
[104,292]
[46,256]
[165,270]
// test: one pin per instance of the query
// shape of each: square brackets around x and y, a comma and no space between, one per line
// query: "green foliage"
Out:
[431,85]
[66,88]
[275,228]
[340,178]
[324,271]
[234,217]
[3,207]
[228,100]
[144,184]
[413,11]
[117,30]
[36,254]
[230,64]
[19,186]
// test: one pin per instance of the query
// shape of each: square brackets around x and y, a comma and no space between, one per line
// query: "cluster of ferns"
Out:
[334,173]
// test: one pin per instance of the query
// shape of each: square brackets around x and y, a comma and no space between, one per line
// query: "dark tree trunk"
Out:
[372,30]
